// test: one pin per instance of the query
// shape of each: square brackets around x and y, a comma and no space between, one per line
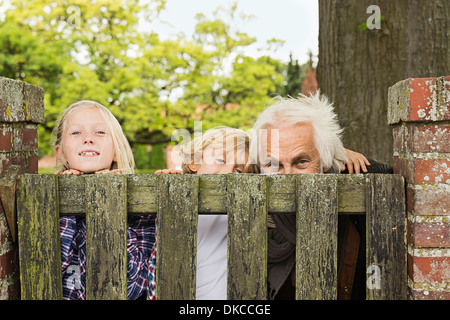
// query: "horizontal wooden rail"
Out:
[247,199]
[142,193]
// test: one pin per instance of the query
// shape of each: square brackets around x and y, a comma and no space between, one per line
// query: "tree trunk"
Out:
[357,64]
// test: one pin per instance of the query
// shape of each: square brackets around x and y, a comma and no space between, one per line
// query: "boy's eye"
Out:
[271,163]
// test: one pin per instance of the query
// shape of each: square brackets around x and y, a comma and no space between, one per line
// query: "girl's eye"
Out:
[75,133]
[220,161]
[237,170]
[101,132]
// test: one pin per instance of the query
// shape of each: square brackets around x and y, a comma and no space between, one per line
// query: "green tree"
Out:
[97,50]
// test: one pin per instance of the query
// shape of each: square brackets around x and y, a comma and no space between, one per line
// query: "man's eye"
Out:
[302,162]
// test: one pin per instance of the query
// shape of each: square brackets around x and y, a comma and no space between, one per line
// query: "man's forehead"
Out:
[281,125]
[286,133]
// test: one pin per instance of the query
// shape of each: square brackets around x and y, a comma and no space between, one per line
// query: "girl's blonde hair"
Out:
[122,150]
[227,138]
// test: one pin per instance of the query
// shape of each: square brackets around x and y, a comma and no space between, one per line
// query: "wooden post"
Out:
[21,110]
[247,209]
[177,236]
[316,249]
[386,238]
[106,237]
[39,242]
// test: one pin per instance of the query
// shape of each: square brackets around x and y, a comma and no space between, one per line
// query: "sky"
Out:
[294,21]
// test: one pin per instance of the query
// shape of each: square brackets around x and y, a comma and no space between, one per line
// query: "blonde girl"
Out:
[89,140]
[88,124]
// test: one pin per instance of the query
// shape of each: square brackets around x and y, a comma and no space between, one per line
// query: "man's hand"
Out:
[356,162]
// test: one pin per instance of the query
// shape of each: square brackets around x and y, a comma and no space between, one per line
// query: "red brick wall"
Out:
[21,109]
[419,110]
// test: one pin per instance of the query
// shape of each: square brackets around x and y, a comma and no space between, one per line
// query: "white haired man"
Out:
[303,136]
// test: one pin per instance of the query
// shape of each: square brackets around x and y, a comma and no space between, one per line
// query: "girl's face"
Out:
[217,161]
[87,143]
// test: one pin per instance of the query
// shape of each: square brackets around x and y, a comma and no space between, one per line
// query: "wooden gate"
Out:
[247,199]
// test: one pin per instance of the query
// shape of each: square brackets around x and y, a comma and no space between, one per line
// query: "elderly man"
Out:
[303,136]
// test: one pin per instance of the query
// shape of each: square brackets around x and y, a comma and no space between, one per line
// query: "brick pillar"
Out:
[419,112]
[21,109]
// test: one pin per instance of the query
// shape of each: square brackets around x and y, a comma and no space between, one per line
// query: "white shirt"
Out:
[212,257]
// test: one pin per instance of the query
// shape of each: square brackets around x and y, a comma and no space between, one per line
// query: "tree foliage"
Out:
[99,50]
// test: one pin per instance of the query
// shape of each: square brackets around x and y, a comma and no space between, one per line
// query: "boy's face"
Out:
[217,161]
[87,144]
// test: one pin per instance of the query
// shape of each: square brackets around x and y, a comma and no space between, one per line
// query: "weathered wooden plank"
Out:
[71,194]
[282,193]
[386,238]
[142,195]
[106,237]
[351,193]
[316,248]
[212,194]
[38,237]
[177,236]
[247,203]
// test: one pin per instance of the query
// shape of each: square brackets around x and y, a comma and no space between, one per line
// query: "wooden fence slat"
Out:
[177,237]
[106,237]
[247,203]
[316,249]
[386,238]
[38,237]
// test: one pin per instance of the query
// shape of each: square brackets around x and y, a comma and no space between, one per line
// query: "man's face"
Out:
[290,149]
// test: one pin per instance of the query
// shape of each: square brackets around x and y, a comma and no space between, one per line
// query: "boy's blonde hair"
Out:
[227,138]
[122,150]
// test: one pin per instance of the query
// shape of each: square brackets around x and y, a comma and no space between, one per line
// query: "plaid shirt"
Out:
[152,275]
[141,233]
